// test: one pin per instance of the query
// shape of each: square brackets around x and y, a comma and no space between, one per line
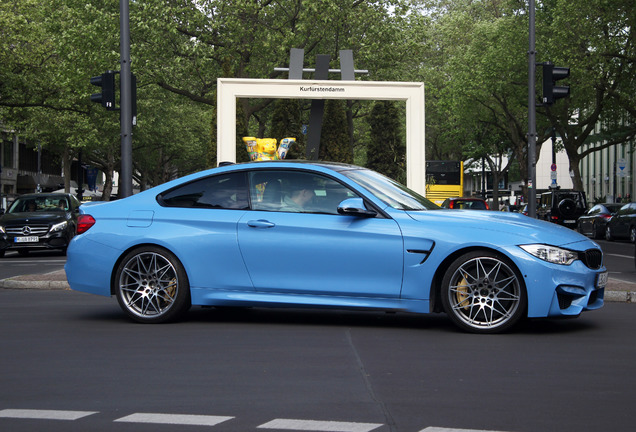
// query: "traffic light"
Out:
[107,96]
[551,74]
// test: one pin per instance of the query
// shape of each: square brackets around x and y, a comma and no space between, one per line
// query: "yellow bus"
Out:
[444,179]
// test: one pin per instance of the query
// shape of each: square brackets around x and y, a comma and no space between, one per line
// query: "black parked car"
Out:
[623,224]
[39,221]
[593,222]
[563,207]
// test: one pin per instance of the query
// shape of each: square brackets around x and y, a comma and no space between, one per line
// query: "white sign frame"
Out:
[229,89]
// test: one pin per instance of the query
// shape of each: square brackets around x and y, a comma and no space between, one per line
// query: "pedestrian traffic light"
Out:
[107,96]
[551,74]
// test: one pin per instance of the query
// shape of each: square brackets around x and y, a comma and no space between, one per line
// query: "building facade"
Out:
[26,168]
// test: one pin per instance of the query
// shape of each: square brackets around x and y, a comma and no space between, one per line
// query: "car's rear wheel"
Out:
[483,293]
[151,285]
[608,234]
[632,234]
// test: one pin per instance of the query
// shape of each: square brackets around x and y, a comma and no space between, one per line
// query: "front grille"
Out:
[592,258]
[27,230]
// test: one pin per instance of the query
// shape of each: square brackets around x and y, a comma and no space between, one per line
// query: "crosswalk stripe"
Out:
[44,414]
[439,429]
[319,426]
[176,419]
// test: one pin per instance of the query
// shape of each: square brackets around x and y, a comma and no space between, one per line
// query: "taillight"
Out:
[487,206]
[84,222]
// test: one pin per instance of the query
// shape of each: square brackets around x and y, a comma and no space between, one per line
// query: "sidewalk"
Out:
[615,291]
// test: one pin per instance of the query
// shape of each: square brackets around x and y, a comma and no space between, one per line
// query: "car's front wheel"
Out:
[608,234]
[151,285]
[483,292]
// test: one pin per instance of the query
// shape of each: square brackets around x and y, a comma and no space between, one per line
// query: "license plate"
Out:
[29,239]
[569,221]
[601,280]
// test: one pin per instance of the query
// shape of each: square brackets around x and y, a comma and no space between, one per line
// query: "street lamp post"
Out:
[532,122]
[125,179]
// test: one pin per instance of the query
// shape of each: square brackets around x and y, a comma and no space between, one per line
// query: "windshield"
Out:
[39,204]
[390,192]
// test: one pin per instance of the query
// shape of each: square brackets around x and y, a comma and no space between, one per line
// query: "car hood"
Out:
[32,217]
[527,229]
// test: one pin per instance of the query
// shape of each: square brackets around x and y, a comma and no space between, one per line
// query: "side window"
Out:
[225,191]
[297,192]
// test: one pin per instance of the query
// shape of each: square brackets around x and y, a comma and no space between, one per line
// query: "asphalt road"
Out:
[36,262]
[73,362]
[619,259]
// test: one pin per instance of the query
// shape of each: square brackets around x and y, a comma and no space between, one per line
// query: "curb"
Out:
[620,296]
[37,285]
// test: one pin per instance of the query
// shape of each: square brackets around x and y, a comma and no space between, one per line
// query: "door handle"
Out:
[261,223]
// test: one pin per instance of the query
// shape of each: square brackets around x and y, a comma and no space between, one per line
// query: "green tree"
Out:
[596,40]
[334,140]
[287,122]
[386,152]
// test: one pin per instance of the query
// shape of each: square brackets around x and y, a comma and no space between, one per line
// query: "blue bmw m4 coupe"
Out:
[327,235]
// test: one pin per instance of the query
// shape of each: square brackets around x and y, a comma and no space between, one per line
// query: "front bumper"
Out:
[56,240]
[560,290]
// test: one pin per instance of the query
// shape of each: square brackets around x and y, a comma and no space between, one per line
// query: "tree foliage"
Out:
[471,55]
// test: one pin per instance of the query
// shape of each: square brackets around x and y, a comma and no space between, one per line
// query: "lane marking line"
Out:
[319,426]
[175,419]
[45,414]
[439,429]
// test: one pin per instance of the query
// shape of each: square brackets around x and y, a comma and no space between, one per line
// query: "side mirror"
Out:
[355,207]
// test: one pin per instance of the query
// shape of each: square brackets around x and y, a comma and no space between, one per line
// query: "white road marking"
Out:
[438,429]
[620,256]
[319,426]
[44,414]
[176,419]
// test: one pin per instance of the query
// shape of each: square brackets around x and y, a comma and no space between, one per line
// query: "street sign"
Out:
[621,168]
[553,167]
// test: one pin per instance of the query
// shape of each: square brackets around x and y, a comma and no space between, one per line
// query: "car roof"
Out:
[467,199]
[46,195]
[335,166]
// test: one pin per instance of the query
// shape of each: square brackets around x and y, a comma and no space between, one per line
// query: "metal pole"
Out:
[38,189]
[532,122]
[125,176]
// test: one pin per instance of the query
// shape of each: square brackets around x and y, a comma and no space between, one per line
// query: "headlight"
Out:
[551,254]
[2,231]
[59,226]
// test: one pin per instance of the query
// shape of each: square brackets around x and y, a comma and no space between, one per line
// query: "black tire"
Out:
[152,286]
[23,252]
[632,234]
[2,253]
[483,292]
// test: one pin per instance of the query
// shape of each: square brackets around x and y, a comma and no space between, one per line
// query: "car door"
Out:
[621,221]
[200,219]
[317,251]
[586,222]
